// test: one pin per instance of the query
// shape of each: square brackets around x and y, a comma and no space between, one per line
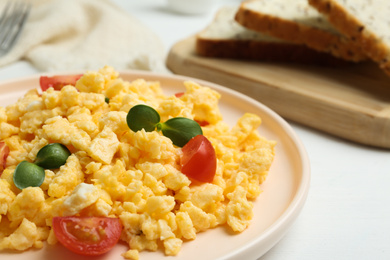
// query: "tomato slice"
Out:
[58,82]
[4,151]
[199,161]
[179,94]
[202,123]
[87,235]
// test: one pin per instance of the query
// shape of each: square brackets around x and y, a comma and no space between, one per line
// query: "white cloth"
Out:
[65,35]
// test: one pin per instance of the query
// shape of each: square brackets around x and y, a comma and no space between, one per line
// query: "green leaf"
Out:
[52,156]
[142,117]
[28,174]
[180,130]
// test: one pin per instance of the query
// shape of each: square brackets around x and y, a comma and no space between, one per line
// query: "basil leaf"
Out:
[180,130]
[52,156]
[27,174]
[142,117]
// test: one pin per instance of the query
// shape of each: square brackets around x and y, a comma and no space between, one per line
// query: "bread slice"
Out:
[297,22]
[225,38]
[364,21]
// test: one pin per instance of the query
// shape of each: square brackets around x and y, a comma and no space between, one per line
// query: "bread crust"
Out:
[265,51]
[356,31]
[314,38]
[243,44]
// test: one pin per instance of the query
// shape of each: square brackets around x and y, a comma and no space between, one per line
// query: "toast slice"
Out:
[363,21]
[225,38]
[298,22]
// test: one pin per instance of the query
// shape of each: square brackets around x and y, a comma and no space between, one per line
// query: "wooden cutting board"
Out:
[349,102]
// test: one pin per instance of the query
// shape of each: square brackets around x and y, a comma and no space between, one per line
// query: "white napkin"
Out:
[65,35]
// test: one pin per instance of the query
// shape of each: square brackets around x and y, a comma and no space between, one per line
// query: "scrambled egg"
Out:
[115,172]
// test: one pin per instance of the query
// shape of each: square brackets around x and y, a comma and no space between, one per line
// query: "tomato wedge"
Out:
[199,161]
[179,94]
[58,82]
[4,151]
[202,123]
[87,235]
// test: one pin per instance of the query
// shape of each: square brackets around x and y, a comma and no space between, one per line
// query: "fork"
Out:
[12,21]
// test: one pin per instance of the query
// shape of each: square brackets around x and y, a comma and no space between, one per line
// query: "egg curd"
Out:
[115,172]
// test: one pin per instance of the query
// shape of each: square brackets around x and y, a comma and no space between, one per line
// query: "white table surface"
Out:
[347,212]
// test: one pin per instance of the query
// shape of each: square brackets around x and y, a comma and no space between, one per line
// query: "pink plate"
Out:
[284,191]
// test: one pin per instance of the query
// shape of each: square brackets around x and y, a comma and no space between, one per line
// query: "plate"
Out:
[284,191]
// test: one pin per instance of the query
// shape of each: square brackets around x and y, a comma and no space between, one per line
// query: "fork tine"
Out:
[18,23]
[7,23]
[12,21]
[3,14]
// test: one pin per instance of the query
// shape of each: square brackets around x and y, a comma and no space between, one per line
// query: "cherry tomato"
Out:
[179,94]
[4,151]
[59,81]
[202,123]
[199,161]
[87,235]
